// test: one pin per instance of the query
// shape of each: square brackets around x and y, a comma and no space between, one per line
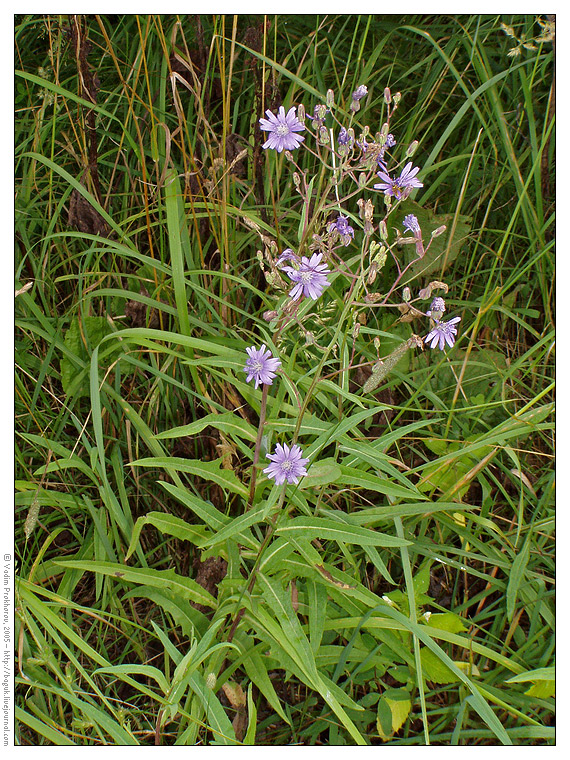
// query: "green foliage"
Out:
[402,591]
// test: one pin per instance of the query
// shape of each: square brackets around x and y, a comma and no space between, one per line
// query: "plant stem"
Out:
[257,445]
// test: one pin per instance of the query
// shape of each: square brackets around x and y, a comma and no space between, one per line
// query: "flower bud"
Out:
[439,231]
[360,92]
[412,148]
[396,98]
[387,96]
[324,137]
[320,111]
[383,230]
[301,113]
[406,294]
[330,98]
[268,316]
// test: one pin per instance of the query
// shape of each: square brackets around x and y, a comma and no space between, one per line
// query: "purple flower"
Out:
[282,130]
[261,366]
[411,224]
[343,228]
[311,277]
[442,333]
[437,305]
[287,464]
[360,92]
[390,141]
[401,187]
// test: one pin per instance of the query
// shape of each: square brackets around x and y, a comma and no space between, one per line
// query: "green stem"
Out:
[262,412]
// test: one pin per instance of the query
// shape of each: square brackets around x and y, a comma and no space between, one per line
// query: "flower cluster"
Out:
[309,275]
[342,228]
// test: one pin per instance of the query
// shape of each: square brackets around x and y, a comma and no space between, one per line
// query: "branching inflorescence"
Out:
[353,164]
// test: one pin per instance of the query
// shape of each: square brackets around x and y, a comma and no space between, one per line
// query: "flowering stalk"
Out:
[262,413]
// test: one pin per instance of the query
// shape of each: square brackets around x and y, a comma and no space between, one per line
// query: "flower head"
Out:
[437,305]
[442,333]
[287,464]
[261,366]
[282,129]
[411,224]
[310,278]
[390,141]
[343,228]
[402,186]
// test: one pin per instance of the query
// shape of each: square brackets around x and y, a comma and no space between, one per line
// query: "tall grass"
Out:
[404,594]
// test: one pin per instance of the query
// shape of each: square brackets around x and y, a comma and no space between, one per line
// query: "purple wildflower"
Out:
[282,129]
[360,92]
[287,464]
[390,141]
[401,187]
[310,278]
[442,333]
[343,228]
[411,224]
[437,305]
[261,366]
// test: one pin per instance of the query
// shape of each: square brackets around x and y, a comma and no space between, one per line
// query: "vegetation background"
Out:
[407,592]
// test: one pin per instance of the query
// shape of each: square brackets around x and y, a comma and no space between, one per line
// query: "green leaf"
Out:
[434,669]
[321,528]
[41,728]
[93,330]
[249,738]
[227,423]
[542,689]
[256,669]
[393,709]
[183,614]
[447,621]
[322,473]
[516,577]
[540,674]
[172,526]
[371,482]
[443,250]
[212,471]
[422,577]
[168,579]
